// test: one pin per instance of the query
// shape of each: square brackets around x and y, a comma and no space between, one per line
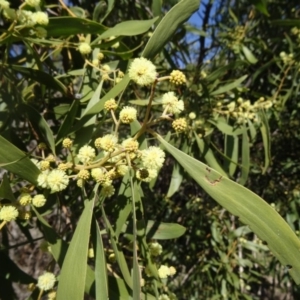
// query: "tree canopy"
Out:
[148,154]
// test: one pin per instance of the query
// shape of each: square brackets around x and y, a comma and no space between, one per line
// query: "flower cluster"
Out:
[55,180]
[29,18]
[37,200]
[296,31]
[287,59]
[234,37]
[165,271]
[107,143]
[242,110]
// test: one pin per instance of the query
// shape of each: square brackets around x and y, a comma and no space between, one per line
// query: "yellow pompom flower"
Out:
[40,18]
[130,145]
[105,68]
[120,74]
[80,183]
[95,62]
[110,104]
[97,173]
[91,253]
[39,200]
[107,143]
[177,77]
[44,165]
[8,213]
[122,170]
[86,154]
[172,104]
[52,295]
[179,125]
[172,271]
[67,143]
[46,281]
[192,115]
[142,71]
[50,158]
[57,180]
[105,77]
[128,114]
[25,199]
[155,248]
[153,157]
[84,48]
[64,166]
[163,271]
[100,56]
[83,174]
[42,179]
[4,4]
[25,17]
[107,191]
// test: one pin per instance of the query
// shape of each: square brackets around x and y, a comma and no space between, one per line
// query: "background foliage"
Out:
[231,52]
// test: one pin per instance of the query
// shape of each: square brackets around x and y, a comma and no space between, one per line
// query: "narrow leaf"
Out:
[164,231]
[67,123]
[168,26]
[73,273]
[59,249]
[224,127]
[286,22]
[136,269]
[250,208]
[57,26]
[118,252]
[41,77]
[101,280]
[17,162]
[265,132]
[98,107]
[129,28]
[5,190]
[208,155]
[122,209]
[249,55]
[99,10]
[245,159]
[110,7]
[176,180]
[261,5]
[228,87]
[232,152]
